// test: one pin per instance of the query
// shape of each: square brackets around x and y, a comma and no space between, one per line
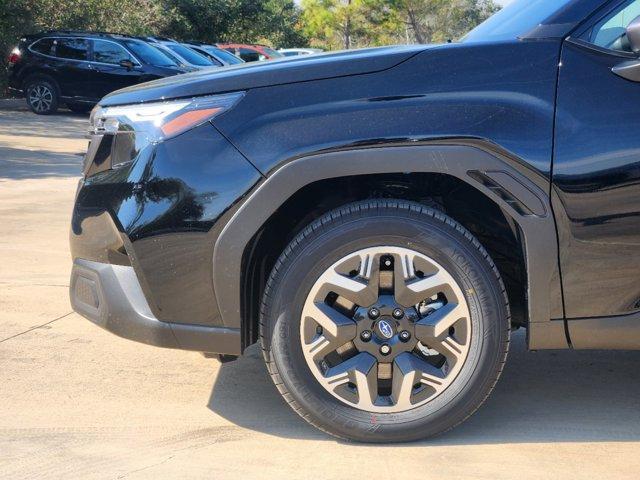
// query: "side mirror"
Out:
[633,34]
[128,64]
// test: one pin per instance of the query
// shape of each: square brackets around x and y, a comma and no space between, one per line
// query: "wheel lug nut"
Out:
[374,313]
[398,313]
[404,336]
[385,349]
[365,335]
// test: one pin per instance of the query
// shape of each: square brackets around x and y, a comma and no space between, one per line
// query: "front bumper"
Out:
[111,297]
[142,238]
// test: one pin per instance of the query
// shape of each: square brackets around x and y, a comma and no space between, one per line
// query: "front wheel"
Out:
[385,321]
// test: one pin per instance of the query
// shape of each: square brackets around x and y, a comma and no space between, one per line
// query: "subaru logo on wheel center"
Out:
[385,329]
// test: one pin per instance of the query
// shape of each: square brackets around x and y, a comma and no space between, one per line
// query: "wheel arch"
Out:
[40,74]
[506,182]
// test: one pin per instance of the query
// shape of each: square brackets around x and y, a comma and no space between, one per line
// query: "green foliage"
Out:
[439,20]
[335,24]
[272,21]
[358,23]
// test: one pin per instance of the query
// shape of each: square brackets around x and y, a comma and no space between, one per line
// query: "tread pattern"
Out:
[335,217]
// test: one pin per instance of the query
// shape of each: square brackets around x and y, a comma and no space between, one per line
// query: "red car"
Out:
[251,53]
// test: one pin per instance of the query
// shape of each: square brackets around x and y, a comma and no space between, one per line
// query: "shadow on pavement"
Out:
[245,395]
[546,396]
[20,164]
[62,124]
[40,146]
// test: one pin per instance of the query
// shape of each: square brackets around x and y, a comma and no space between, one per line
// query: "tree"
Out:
[430,21]
[281,24]
[348,24]
[358,23]
[274,21]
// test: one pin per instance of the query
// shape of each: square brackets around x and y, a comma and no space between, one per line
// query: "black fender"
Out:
[509,182]
[39,74]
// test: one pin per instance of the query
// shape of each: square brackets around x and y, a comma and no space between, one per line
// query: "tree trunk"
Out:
[347,29]
[415,26]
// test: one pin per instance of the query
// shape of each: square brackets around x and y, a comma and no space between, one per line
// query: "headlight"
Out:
[159,121]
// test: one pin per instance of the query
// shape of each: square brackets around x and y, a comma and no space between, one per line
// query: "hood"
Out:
[268,73]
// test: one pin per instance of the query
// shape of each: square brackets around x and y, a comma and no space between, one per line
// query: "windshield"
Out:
[514,20]
[169,54]
[148,54]
[272,53]
[189,55]
[229,58]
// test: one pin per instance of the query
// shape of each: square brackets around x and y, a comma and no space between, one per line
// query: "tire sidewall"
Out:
[428,235]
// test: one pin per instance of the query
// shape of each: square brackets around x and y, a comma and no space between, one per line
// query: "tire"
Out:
[79,107]
[42,96]
[383,233]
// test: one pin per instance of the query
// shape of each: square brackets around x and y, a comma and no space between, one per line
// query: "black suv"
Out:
[380,219]
[79,68]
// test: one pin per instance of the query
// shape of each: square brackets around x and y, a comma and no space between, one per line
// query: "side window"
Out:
[249,55]
[214,60]
[72,48]
[109,52]
[610,32]
[210,56]
[44,46]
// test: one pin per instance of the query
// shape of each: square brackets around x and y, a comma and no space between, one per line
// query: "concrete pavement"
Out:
[78,402]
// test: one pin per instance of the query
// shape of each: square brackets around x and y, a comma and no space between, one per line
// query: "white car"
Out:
[294,52]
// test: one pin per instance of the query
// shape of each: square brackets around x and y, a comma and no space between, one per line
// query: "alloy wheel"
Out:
[385,329]
[40,98]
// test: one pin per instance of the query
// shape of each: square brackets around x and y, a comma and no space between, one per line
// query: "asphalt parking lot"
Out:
[78,402]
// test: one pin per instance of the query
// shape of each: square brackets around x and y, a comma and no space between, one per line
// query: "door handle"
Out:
[629,70]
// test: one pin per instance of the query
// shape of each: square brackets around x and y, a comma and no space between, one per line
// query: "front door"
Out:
[596,170]
[73,67]
[107,73]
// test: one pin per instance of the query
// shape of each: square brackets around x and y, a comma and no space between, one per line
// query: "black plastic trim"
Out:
[620,332]
[544,301]
[111,297]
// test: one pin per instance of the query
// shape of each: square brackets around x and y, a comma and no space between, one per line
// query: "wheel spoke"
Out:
[439,322]
[336,329]
[409,370]
[362,290]
[433,330]
[362,371]
[411,292]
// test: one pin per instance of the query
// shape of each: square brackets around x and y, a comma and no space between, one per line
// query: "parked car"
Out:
[216,55]
[79,68]
[379,219]
[178,60]
[251,53]
[185,54]
[294,52]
